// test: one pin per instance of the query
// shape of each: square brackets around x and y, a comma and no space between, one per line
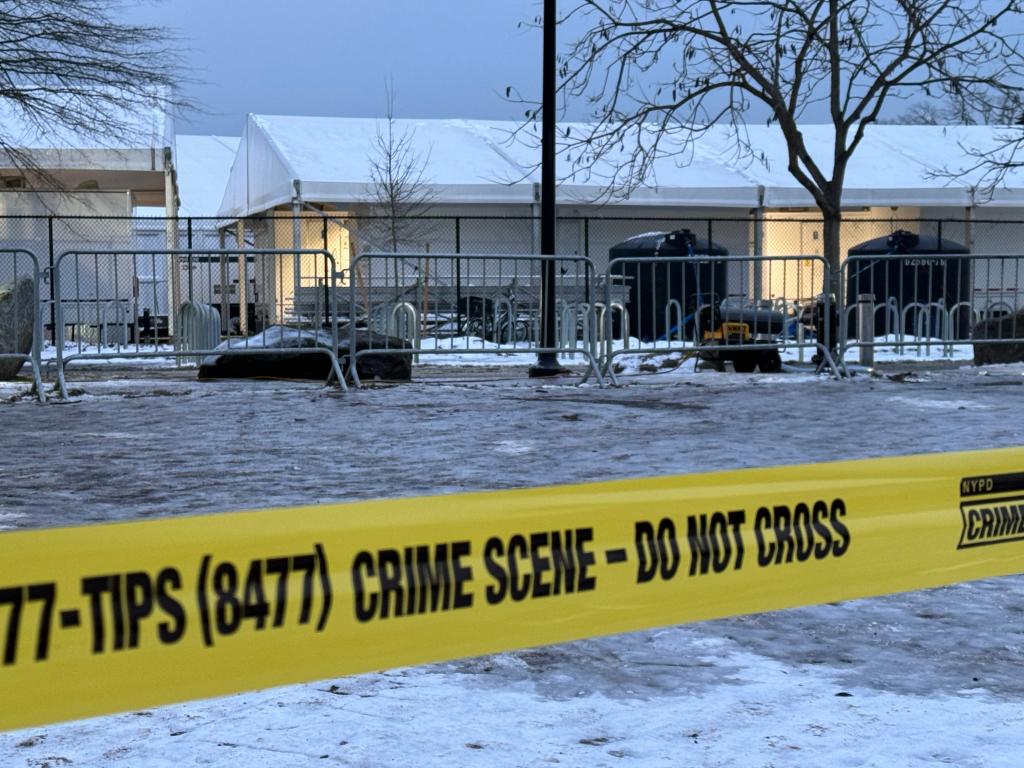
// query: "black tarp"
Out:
[930,269]
[692,282]
[276,353]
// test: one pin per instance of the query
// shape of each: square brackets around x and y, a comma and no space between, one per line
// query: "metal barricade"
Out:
[675,304]
[467,304]
[927,305]
[16,266]
[268,281]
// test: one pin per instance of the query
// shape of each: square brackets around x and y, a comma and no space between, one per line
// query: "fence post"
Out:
[173,277]
[189,235]
[53,309]
[458,274]
[243,280]
[297,245]
[328,279]
[758,250]
[172,234]
[866,327]
[225,279]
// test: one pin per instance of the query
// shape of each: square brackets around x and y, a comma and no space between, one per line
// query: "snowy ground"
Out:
[48,354]
[928,678]
[470,352]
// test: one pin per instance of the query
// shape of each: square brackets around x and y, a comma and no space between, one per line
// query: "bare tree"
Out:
[400,192]
[71,66]
[999,153]
[660,72]
[401,197]
[1010,111]
[922,113]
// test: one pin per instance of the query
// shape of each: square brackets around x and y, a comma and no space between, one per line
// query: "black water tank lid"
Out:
[902,241]
[676,243]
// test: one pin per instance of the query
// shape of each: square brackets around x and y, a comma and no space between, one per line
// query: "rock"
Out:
[17,321]
[1005,327]
[288,364]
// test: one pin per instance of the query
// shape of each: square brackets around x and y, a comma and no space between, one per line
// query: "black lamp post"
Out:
[547,362]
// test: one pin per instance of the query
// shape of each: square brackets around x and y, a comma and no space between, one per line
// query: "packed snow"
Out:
[631,356]
[918,679]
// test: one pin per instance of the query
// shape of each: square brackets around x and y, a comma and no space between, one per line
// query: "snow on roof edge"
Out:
[870,182]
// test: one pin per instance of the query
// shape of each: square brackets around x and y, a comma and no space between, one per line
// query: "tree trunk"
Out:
[832,220]
[832,227]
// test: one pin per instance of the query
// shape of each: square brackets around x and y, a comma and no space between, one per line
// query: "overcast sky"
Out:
[448,58]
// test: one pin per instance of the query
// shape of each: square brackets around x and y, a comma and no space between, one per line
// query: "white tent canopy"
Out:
[328,160]
[203,164]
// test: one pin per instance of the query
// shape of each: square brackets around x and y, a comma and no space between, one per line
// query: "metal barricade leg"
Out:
[866,328]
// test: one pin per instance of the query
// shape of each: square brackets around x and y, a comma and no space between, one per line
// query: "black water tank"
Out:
[692,282]
[932,269]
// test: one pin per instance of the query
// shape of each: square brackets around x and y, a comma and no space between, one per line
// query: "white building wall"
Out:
[998,284]
[102,286]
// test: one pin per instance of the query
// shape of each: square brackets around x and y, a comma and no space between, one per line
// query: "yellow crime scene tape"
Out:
[114,617]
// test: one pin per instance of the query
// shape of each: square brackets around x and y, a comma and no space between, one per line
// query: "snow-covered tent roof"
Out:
[473,161]
[894,165]
[466,161]
[140,146]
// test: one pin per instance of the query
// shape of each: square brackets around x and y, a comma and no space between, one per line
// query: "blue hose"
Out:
[664,337]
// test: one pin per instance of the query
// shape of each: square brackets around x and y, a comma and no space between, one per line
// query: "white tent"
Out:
[466,162]
[327,160]
[204,165]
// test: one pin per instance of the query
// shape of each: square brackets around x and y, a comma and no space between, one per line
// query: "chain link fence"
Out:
[250,295]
